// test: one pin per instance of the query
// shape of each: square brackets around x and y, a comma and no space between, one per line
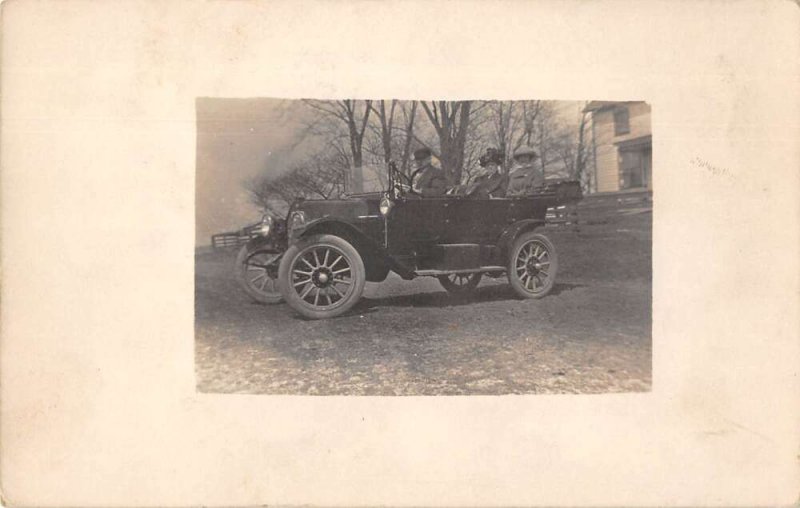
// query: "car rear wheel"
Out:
[532,265]
[322,276]
[257,274]
[460,283]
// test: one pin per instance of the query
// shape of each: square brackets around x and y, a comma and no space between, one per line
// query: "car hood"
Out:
[348,209]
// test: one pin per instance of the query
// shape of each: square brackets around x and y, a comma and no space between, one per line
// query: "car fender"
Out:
[376,260]
[325,225]
[266,243]
[511,232]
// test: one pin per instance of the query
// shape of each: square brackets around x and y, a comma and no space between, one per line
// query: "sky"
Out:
[239,139]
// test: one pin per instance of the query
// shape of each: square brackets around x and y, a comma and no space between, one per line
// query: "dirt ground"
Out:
[592,334]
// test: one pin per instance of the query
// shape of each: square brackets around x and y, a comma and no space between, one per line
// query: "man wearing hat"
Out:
[525,175]
[427,180]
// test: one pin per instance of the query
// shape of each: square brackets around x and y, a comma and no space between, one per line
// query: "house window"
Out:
[621,124]
[635,168]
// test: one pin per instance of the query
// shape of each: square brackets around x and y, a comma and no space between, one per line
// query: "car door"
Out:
[474,220]
[415,222]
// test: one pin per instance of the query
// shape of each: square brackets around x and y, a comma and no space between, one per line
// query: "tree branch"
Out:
[432,117]
[318,105]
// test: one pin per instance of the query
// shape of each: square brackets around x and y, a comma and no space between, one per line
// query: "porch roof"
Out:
[600,105]
[635,143]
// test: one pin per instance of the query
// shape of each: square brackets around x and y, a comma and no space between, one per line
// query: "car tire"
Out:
[321,276]
[460,283]
[256,274]
[532,265]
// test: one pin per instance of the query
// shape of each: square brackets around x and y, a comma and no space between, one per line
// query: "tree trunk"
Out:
[357,182]
[451,121]
[356,141]
[582,155]
[387,123]
[461,141]
[503,128]
[409,137]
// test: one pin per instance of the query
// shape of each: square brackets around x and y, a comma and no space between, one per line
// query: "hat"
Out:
[422,153]
[525,150]
[492,156]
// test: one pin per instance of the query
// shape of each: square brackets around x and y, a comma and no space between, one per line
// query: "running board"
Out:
[433,273]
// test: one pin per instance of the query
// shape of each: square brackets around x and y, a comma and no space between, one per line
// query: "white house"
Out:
[622,152]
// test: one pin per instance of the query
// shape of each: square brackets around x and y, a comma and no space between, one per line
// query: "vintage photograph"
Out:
[399,254]
[415,247]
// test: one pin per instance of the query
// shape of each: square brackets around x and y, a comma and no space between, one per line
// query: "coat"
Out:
[493,185]
[523,179]
[429,181]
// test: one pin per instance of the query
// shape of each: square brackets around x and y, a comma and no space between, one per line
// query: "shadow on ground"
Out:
[439,299]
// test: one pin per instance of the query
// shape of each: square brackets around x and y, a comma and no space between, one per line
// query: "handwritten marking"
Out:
[711,168]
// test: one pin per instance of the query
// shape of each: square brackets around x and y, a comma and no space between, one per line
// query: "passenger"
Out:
[491,182]
[525,175]
[427,180]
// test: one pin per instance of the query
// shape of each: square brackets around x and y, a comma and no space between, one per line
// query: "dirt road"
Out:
[592,334]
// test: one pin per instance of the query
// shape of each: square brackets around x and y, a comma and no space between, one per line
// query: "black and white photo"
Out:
[395,247]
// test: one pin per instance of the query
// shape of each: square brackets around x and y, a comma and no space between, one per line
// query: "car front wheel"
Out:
[257,274]
[532,265]
[322,276]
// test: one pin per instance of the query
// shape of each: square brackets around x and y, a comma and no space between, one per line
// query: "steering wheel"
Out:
[404,186]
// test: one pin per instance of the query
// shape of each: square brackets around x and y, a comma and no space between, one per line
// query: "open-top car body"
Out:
[323,253]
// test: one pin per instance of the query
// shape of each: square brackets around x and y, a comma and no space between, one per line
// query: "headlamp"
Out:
[266,225]
[297,219]
[385,206]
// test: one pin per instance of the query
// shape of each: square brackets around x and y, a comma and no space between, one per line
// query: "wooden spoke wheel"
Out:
[257,274]
[460,283]
[322,276]
[532,265]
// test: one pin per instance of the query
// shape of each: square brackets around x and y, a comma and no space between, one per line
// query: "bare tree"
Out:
[451,122]
[509,125]
[355,118]
[474,147]
[366,135]
[381,145]
[531,112]
[261,193]
[505,121]
[552,140]
[386,126]
[409,136]
[581,172]
[320,176]
[504,125]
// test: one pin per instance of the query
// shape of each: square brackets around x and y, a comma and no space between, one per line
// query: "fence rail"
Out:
[234,238]
[600,208]
[225,240]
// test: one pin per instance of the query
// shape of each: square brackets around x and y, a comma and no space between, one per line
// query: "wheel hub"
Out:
[322,277]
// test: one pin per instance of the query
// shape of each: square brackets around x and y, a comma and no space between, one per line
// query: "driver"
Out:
[427,180]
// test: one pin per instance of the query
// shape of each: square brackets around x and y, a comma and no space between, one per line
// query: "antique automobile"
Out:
[319,258]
